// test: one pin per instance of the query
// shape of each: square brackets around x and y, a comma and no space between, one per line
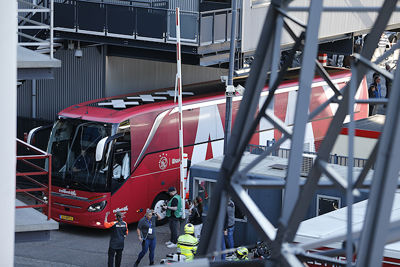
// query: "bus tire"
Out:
[157,206]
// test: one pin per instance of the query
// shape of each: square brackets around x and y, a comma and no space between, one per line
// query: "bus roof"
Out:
[119,108]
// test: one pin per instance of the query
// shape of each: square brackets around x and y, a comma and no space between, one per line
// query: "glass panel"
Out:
[91,16]
[121,158]
[73,147]
[64,15]
[152,22]
[189,26]
[120,20]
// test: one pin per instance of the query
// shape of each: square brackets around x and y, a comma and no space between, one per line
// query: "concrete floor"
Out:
[78,246]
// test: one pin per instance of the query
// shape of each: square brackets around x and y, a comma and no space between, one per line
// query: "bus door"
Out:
[120,167]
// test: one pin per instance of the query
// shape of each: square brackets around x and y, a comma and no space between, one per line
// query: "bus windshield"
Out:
[73,145]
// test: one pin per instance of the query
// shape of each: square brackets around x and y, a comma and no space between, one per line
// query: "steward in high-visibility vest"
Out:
[187,243]
[178,212]
[174,215]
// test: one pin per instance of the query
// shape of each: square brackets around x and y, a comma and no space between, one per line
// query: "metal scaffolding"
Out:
[384,157]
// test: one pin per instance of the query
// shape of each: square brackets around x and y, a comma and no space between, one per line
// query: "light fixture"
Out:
[78,51]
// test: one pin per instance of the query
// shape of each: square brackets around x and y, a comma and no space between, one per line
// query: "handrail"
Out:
[197,32]
[28,176]
[284,153]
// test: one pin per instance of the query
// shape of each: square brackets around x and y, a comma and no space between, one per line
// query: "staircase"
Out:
[35,25]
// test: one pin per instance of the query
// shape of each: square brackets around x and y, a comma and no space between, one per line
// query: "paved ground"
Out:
[78,246]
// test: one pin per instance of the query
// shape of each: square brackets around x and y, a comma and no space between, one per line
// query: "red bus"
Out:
[121,153]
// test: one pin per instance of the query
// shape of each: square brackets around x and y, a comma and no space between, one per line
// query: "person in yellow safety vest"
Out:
[241,254]
[187,243]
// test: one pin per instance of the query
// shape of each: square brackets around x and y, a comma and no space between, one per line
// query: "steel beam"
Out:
[254,85]
[289,226]
[384,182]
[302,104]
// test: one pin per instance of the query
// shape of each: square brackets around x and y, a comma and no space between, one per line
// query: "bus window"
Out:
[121,161]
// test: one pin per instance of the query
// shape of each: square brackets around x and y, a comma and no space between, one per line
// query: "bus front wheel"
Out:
[157,205]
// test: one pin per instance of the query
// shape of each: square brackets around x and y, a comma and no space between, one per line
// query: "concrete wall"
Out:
[332,24]
[128,75]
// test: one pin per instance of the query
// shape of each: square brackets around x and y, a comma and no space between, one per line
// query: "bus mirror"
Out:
[103,143]
[100,148]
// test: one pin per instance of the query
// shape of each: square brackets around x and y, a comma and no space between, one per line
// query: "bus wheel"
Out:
[158,202]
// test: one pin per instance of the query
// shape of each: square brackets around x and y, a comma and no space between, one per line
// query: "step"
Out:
[32,225]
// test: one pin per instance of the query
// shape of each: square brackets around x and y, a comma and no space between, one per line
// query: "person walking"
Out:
[196,216]
[147,236]
[187,243]
[119,230]
[174,215]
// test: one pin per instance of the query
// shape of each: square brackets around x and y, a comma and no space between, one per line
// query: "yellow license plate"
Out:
[66,218]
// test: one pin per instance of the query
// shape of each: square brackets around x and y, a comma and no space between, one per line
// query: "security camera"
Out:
[78,53]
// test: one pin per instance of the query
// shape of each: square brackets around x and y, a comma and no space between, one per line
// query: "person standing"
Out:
[229,227]
[174,215]
[196,216]
[371,94]
[119,230]
[374,91]
[187,243]
[377,83]
[388,81]
[147,236]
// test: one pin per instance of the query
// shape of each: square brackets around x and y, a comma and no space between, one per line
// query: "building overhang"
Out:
[33,65]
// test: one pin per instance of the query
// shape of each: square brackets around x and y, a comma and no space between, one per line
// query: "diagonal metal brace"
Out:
[324,74]
[280,125]
[373,66]
[368,165]
[246,203]
[334,176]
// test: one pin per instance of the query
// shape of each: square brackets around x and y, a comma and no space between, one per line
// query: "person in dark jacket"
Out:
[196,216]
[371,94]
[374,91]
[229,227]
[119,230]
[388,81]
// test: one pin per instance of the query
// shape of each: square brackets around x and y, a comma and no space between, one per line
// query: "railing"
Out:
[32,176]
[33,19]
[135,20]
[285,153]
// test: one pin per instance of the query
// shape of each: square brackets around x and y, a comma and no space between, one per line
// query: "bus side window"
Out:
[120,170]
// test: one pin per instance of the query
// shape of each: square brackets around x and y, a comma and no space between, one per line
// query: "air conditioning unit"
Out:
[307,164]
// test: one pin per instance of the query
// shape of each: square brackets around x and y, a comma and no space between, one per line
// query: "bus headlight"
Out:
[97,206]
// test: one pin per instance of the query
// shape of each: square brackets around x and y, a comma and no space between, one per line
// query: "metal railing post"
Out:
[51,29]
[49,188]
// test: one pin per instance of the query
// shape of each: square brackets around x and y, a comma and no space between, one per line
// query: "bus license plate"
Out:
[66,218]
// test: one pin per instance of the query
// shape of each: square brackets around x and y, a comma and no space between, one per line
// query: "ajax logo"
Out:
[163,162]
